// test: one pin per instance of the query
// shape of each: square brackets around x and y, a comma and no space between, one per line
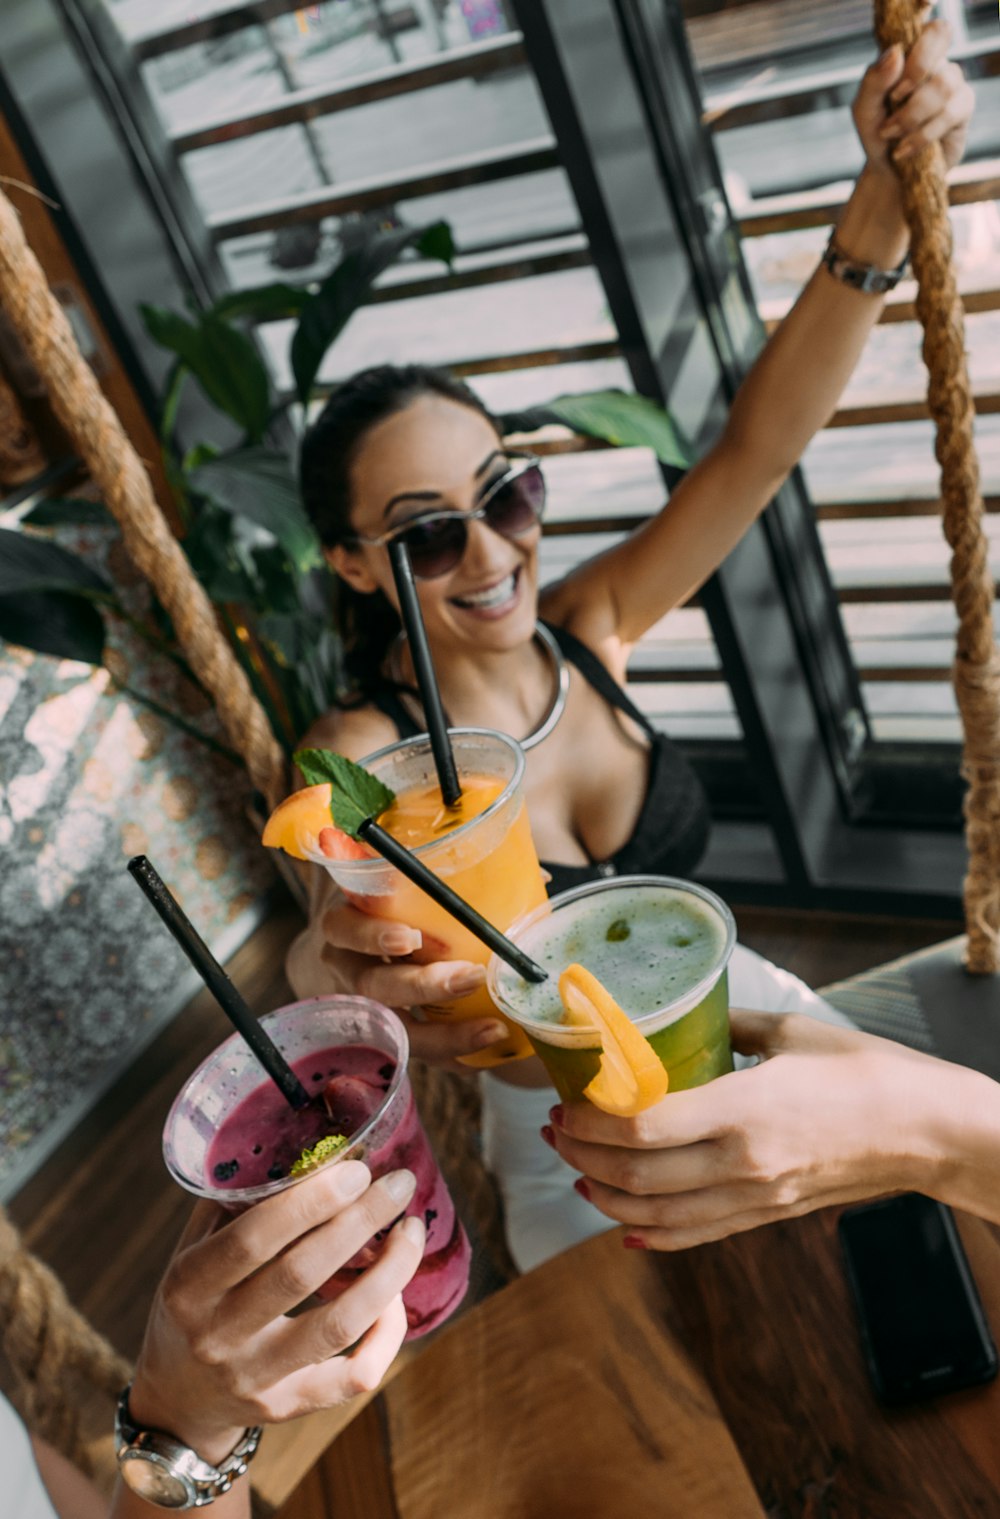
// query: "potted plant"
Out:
[243,526]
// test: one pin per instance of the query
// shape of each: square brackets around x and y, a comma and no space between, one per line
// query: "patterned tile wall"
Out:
[89,777]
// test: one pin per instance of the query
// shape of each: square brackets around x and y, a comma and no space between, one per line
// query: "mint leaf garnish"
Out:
[320,1151]
[357,795]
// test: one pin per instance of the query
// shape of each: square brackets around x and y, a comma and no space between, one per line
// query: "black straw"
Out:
[218,983]
[423,665]
[417,872]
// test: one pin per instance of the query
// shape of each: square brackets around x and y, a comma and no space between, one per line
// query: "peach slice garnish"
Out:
[630,1078]
[296,823]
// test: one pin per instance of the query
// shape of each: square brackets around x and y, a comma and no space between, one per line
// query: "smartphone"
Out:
[923,1328]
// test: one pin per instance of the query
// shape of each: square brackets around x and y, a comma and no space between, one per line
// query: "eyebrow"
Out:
[497,453]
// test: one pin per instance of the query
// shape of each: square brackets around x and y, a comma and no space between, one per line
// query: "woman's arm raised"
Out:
[794,386]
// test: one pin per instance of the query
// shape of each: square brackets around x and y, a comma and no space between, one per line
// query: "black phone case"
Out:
[894,1389]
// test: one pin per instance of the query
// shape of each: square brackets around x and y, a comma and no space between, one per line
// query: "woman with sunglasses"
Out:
[411,452]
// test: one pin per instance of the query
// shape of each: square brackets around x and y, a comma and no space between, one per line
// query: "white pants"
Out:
[542,1211]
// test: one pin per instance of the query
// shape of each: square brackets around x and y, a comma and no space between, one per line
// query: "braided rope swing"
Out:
[48,1344]
[118,472]
[976,667]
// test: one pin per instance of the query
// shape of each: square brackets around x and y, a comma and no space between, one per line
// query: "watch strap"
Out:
[207,1481]
[868,278]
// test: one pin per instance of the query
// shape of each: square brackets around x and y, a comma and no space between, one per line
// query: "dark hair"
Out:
[367,623]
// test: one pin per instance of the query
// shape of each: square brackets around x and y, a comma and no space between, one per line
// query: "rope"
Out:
[101,442]
[47,1342]
[21,455]
[976,669]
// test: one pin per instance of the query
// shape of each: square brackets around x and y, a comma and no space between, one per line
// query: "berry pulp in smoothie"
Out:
[261,1139]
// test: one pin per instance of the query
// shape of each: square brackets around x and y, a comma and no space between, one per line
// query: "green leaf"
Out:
[628,421]
[357,796]
[436,241]
[197,455]
[327,312]
[28,563]
[216,559]
[71,512]
[279,583]
[258,483]
[262,303]
[171,401]
[223,360]
[53,622]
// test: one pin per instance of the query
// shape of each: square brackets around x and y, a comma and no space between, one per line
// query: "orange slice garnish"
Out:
[296,823]
[630,1078]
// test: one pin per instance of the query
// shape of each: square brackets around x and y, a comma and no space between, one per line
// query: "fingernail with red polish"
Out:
[633,1242]
[556,1115]
[548,1135]
[581,1187]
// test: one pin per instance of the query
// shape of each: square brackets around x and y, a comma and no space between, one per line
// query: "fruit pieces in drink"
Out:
[481,848]
[630,1078]
[660,944]
[419,816]
[302,825]
[263,1137]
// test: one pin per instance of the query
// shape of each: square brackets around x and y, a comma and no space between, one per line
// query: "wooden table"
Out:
[721,1383]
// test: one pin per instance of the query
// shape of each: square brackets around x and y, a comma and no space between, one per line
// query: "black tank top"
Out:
[671,830]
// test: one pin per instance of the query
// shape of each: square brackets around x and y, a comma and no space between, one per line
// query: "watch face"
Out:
[147,1476]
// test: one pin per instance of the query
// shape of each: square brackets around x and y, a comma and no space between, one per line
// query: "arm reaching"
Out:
[829,1116]
[795,384]
[219,1352]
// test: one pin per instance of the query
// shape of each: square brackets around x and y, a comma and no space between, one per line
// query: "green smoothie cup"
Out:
[659,945]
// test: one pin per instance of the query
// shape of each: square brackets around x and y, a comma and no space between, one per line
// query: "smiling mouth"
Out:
[494,596]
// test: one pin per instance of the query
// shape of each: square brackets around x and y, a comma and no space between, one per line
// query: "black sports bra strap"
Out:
[599,676]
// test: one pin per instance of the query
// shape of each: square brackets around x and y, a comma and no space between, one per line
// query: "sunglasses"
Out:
[511,506]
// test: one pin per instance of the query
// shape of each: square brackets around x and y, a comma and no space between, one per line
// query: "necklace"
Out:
[560,689]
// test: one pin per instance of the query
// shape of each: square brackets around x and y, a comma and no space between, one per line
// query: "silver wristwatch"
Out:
[171,1475]
[865,277]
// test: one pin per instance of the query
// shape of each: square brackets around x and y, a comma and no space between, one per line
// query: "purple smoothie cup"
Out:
[391,1138]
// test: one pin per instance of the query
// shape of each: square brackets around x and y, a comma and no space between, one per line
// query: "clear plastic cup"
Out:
[630,932]
[392,1137]
[489,860]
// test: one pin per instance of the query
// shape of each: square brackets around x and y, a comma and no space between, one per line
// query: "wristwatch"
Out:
[867,278]
[171,1475]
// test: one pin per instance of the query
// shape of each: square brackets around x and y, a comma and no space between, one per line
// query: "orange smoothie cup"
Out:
[489,859]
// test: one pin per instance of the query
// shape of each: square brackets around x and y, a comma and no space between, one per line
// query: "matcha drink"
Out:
[660,947]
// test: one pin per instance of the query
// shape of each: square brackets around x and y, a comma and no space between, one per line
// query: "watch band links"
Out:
[179,1478]
[868,278]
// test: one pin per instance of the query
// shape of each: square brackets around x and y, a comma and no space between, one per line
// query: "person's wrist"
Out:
[911,1116]
[961,1135]
[872,228]
[211,1441]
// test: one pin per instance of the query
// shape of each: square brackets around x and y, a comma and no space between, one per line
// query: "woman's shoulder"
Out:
[353,731]
[587,622]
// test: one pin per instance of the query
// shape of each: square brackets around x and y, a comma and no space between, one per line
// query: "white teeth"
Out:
[494,597]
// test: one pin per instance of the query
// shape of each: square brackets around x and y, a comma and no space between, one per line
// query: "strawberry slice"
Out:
[337,845]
